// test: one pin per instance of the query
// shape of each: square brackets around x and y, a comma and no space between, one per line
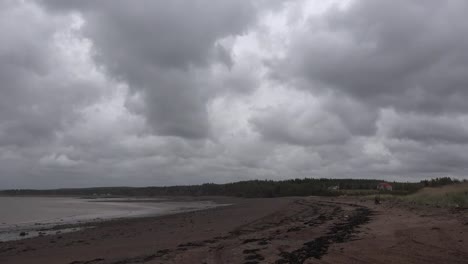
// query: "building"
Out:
[383,186]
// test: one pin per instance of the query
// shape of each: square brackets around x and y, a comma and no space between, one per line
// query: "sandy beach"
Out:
[275,230]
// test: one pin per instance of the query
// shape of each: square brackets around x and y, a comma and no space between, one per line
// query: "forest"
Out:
[253,188]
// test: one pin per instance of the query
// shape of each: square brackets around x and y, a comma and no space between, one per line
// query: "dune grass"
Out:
[449,196]
[358,192]
[371,193]
[455,195]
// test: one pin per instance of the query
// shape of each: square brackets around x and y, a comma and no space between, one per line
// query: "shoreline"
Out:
[269,230]
[67,224]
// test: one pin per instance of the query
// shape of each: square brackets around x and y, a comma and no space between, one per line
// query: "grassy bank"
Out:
[455,195]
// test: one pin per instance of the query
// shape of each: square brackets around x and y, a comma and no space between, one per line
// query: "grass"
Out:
[455,195]
[366,192]
[357,192]
[449,196]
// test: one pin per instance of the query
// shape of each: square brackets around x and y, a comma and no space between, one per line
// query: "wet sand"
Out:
[276,230]
[25,217]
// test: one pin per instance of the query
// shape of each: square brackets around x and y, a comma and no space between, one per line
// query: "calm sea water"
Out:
[31,214]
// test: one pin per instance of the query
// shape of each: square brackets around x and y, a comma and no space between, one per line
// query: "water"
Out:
[38,215]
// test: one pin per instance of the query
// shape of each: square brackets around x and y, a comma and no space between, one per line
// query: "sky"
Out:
[138,93]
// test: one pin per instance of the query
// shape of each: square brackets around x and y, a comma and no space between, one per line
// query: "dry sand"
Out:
[277,230]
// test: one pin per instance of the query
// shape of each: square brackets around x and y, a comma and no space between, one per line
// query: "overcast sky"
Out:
[117,92]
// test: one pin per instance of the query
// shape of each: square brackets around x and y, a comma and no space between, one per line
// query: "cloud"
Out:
[40,86]
[60,160]
[97,93]
[163,52]
[401,54]
[425,128]
[301,125]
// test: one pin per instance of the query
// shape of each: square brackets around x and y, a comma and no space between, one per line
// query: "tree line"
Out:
[252,188]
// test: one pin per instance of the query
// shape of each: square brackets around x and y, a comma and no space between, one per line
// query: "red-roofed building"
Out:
[383,186]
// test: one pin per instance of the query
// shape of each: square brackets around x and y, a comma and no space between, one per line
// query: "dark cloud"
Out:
[404,54]
[425,128]
[417,158]
[157,47]
[302,126]
[186,92]
[323,120]
[402,65]
[38,93]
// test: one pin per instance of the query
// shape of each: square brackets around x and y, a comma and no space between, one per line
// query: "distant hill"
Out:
[253,188]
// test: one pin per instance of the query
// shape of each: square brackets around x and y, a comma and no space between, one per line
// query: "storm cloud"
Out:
[100,93]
